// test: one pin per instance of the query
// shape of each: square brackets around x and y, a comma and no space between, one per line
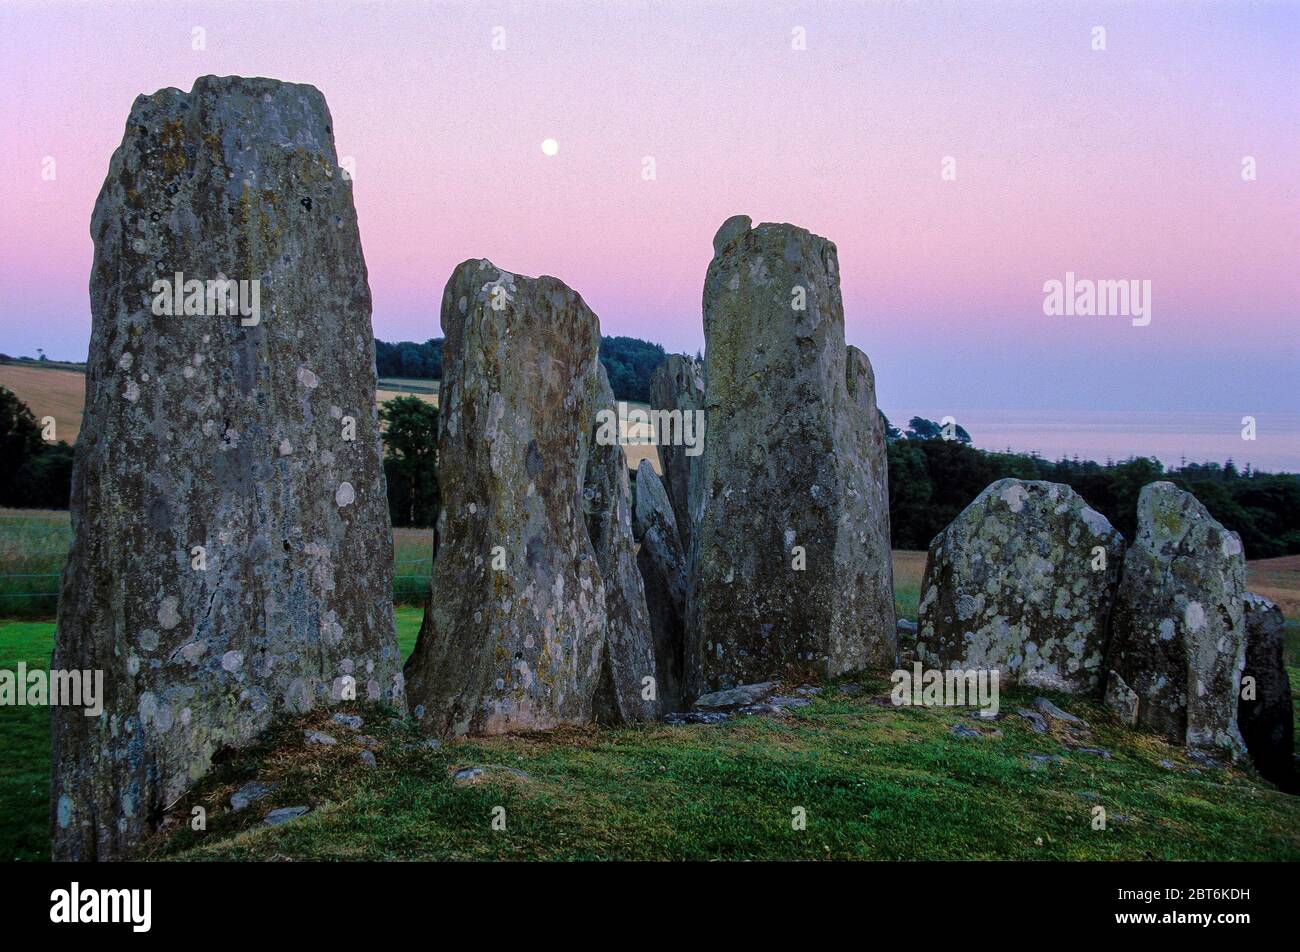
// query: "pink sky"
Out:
[1117,164]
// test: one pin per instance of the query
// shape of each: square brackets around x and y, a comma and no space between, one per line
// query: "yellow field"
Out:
[62,394]
[49,392]
[1278,579]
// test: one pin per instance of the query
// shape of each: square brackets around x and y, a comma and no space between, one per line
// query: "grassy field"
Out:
[876,782]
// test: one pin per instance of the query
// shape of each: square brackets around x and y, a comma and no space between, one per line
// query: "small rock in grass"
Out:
[732,698]
[696,717]
[473,775]
[756,709]
[851,689]
[284,815]
[784,700]
[348,720]
[1095,751]
[249,794]
[367,758]
[1037,723]
[319,737]
[1051,710]
[1168,765]
[1201,758]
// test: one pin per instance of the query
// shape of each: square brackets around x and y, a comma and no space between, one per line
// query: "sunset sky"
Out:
[1122,163]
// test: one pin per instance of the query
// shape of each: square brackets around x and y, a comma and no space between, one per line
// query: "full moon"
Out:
[550,147]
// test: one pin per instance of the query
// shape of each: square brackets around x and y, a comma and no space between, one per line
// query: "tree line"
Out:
[34,474]
[933,475]
[628,361]
[933,478]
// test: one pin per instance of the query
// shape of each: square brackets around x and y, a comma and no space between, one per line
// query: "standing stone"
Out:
[790,561]
[1266,719]
[232,554]
[1179,634]
[622,694]
[1022,582]
[677,386]
[662,563]
[514,632]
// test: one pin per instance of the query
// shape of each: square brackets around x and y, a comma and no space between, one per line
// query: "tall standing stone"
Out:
[1266,717]
[1022,582]
[623,694]
[662,563]
[677,386]
[790,560]
[1178,641]
[519,622]
[232,555]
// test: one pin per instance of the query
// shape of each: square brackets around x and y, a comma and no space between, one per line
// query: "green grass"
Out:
[34,545]
[25,741]
[876,783]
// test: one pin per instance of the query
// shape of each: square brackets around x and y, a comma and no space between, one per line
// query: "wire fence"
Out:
[34,548]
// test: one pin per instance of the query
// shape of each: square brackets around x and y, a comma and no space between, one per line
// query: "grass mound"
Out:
[873,781]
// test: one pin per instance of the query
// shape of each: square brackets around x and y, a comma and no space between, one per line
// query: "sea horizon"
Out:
[1174,437]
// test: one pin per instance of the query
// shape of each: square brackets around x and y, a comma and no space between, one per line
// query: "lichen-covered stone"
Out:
[1122,699]
[232,551]
[514,633]
[790,563]
[662,563]
[623,693]
[1179,633]
[677,385]
[1266,716]
[1022,582]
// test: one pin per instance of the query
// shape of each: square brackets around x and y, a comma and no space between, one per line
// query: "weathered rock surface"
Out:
[735,697]
[747,700]
[1016,583]
[677,386]
[1121,699]
[1179,632]
[230,523]
[662,563]
[790,561]
[628,658]
[1265,718]
[521,600]
[284,815]
[250,793]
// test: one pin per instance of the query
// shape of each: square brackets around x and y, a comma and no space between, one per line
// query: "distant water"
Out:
[1100,435]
